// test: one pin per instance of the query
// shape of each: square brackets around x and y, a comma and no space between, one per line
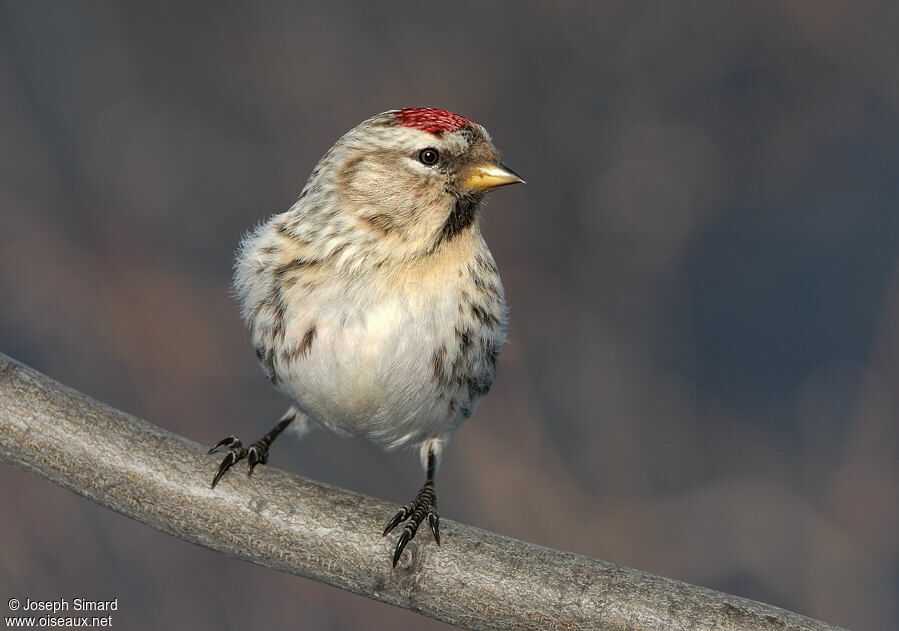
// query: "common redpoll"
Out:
[374,303]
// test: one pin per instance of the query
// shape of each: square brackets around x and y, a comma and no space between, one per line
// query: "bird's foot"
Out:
[257,453]
[424,505]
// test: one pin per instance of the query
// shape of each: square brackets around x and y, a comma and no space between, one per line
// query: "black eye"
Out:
[428,156]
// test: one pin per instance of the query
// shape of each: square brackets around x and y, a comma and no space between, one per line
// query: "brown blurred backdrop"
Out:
[701,374]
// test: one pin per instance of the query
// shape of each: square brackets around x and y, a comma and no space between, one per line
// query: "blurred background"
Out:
[701,374]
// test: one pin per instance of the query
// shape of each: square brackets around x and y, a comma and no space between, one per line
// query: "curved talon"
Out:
[400,516]
[401,544]
[236,453]
[227,462]
[434,522]
[230,441]
[255,456]
[257,453]
[424,505]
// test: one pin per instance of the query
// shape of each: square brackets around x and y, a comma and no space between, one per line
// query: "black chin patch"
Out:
[463,215]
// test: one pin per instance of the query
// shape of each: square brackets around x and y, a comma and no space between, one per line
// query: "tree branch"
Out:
[475,579]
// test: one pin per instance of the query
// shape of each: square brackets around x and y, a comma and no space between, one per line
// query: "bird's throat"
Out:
[463,214]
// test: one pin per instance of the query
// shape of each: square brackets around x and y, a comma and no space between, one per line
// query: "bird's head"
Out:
[413,178]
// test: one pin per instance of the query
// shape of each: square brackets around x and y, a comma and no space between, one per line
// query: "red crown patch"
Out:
[430,120]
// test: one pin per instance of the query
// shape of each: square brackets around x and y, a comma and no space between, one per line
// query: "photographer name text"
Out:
[75,604]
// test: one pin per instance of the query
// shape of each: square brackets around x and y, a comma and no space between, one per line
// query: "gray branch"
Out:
[474,580]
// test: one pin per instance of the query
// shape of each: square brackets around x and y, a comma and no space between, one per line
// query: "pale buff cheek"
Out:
[398,207]
[431,209]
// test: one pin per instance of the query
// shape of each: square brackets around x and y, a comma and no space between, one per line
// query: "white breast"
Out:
[368,369]
[398,354]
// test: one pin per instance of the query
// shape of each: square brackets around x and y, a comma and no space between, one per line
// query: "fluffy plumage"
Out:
[374,302]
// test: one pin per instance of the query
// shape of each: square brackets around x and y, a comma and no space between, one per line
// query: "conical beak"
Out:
[484,177]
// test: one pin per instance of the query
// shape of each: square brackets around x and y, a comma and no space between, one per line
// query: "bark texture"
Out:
[474,580]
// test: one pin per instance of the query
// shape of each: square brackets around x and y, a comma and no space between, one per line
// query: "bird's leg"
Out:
[424,505]
[257,453]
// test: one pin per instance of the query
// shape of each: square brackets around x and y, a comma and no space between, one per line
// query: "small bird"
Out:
[374,303]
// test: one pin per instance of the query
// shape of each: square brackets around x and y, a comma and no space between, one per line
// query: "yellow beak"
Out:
[484,177]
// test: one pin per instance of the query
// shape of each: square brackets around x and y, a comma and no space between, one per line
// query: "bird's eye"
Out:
[429,156]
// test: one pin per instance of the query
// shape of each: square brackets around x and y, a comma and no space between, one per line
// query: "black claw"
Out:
[400,516]
[401,545]
[434,521]
[230,441]
[257,453]
[236,453]
[255,456]
[424,505]
[227,462]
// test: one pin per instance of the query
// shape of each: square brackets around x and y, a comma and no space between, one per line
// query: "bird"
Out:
[374,302]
